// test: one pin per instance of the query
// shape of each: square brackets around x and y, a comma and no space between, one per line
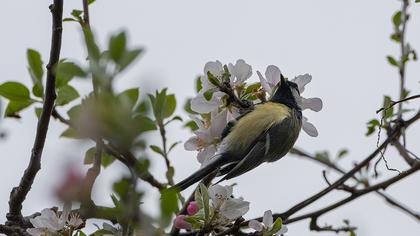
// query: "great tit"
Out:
[263,134]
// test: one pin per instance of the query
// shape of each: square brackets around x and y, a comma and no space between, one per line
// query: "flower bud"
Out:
[180,222]
[192,208]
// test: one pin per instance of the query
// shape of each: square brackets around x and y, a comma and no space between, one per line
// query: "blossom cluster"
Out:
[214,108]
[222,210]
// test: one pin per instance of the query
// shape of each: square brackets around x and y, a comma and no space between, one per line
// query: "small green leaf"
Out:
[91,1]
[389,111]
[117,46]
[396,19]
[128,58]
[277,225]
[66,94]
[342,153]
[143,124]
[157,149]
[14,107]
[14,91]
[191,125]
[71,133]
[395,37]
[187,107]
[76,13]
[129,97]
[198,84]
[38,111]
[170,173]
[106,159]
[371,125]
[168,205]
[35,64]
[173,146]
[68,19]
[205,196]
[392,61]
[92,47]
[169,106]
[323,156]
[66,71]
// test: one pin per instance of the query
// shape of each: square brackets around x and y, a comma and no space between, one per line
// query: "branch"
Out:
[385,196]
[19,193]
[357,194]
[313,225]
[397,102]
[86,20]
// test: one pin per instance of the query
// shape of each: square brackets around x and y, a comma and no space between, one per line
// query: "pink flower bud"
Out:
[71,187]
[192,208]
[180,222]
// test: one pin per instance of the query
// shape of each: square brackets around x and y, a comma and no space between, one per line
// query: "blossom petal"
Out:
[206,84]
[191,144]
[217,192]
[283,230]
[256,225]
[264,83]
[315,104]
[309,128]
[214,67]
[301,81]
[204,155]
[268,218]
[234,208]
[201,105]
[218,123]
[37,231]
[242,71]
[272,74]
[198,121]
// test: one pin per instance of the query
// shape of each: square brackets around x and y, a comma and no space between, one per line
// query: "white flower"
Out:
[216,69]
[116,231]
[229,207]
[267,224]
[272,78]
[75,221]
[49,222]
[240,72]
[314,104]
[200,104]
[207,136]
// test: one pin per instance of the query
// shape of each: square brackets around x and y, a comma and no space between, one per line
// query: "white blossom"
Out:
[207,137]
[229,207]
[267,224]
[240,72]
[272,78]
[49,222]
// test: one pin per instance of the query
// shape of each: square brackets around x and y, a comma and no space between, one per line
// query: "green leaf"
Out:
[205,201]
[76,13]
[392,61]
[92,47]
[106,159]
[389,111]
[143,124]
[277,225]
[38,111]
[168,205]
[15,91]
[169,106]
[342,153]
[157,149]
[68,19]
[396,19]
[173,146]
[36,71]
[187,107]
[323,156]
[66,94]
[35,64]
[14,107]
[117,46]
[91,1]
[71,133]
[129,57]
[121,188]
[395,37]
[371,125]
[66,71]
[129,97]
[170,173]
[191,125]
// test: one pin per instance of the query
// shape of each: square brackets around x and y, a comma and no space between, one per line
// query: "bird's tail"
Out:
[200,174]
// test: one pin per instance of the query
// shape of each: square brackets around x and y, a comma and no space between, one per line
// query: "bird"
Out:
[264,133]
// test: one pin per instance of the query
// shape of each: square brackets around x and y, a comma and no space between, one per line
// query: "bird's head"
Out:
[287,93]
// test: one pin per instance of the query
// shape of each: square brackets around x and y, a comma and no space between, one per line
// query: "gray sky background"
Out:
[343,45]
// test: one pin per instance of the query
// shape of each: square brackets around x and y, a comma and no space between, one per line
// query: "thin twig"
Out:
[86,19]
[19,193]
[313,225]
[393,103]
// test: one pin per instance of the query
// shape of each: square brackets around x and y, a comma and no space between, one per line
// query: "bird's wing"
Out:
[253,159]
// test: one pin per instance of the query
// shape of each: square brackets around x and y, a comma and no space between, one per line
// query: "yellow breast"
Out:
[249,127]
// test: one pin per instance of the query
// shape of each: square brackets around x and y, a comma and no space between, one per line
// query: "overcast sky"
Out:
[342,44]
